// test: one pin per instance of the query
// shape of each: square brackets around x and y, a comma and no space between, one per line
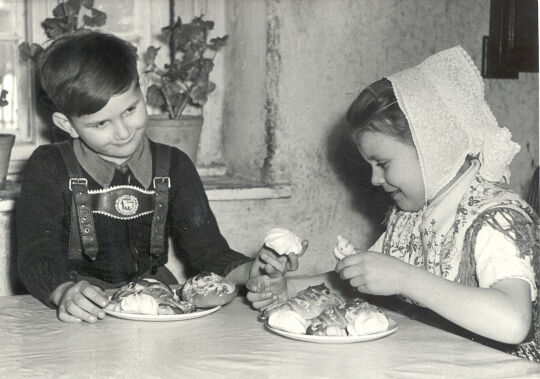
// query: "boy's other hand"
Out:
[80,301]
[264,290]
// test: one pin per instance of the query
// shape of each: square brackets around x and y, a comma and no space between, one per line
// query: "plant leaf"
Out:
[88,4]
[207,25]
[3,101]
[206,66]
[97,19]
[193,73]
[74,6]
[154,96]
[35,50]
[55,27]
[199,92]
[60,10]
[218,43]
[24,51]
[151,54]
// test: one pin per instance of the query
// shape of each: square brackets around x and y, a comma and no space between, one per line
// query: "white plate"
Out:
[392,327]
[178,317]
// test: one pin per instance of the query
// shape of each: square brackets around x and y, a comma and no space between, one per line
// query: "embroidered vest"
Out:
[451,255]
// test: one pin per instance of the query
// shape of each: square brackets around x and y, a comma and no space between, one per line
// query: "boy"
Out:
[94,212]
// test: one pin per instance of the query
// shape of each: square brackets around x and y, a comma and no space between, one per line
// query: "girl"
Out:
[458,243]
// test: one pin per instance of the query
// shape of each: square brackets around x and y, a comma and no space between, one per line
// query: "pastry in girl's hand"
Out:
[308,303]
[283,241]
[343,248]
[208,290]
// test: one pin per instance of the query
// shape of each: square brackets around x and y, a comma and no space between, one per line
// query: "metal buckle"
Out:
[163,179]
[82,181]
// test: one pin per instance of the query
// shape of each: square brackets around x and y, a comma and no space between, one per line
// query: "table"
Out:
[229,343]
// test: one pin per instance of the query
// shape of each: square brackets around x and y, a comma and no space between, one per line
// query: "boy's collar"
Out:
[102,171]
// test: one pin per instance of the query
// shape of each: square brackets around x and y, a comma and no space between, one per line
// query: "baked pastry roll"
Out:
[355,318]
[343,248]
[208,290]
[149,297]
[293,315]
[283,241]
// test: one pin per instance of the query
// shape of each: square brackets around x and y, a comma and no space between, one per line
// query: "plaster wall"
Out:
[327,52]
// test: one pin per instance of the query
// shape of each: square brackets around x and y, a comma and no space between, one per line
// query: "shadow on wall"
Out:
[355,173]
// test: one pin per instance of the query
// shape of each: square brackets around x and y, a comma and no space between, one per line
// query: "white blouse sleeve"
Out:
[378,245]
[497,258]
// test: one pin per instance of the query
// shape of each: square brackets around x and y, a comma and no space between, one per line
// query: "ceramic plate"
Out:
[392,327]
[179,317]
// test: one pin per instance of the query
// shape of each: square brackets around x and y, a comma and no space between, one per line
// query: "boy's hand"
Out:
[80,301]
[266,289]
[373,273]
[267,283]
[267,262]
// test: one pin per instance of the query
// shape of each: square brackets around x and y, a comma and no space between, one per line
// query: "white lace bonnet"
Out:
[443,101]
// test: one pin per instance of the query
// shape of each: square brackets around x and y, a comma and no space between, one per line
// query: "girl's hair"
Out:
[81,72]
[376,110]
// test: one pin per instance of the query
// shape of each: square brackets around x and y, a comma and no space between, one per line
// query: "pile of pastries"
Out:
[319,311]
[149,296]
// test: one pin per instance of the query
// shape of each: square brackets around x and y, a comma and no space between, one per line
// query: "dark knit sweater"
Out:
[43,223]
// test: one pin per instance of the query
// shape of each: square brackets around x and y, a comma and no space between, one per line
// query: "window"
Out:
[13,76]
[20,20]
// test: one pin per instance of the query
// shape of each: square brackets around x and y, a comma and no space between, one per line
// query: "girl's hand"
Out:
[267,283]
[80,301]
[373,273]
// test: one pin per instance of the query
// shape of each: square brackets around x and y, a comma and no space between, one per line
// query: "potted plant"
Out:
[183,82]
[66,19]
[6,144]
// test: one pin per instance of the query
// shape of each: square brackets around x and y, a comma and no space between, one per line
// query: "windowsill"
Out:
[217,187]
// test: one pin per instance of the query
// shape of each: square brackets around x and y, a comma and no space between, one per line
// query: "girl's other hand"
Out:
[80,301]
[373,273]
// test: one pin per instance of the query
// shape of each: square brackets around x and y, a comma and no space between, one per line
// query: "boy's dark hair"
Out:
[376,110]
[81,72]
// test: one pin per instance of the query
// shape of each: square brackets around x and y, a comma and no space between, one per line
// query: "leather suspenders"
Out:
[162,183]
[85,235]
[82,230]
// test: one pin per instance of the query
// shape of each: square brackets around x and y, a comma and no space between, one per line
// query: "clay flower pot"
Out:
[6,144]
[183,134]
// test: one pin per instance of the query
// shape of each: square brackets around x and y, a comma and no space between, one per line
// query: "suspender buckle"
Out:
[82,181]
[164,179]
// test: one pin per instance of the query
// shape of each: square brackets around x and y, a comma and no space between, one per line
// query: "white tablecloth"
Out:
[229,343]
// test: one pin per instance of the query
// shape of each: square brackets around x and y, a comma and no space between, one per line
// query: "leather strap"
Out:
[82,216]
[162,183]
